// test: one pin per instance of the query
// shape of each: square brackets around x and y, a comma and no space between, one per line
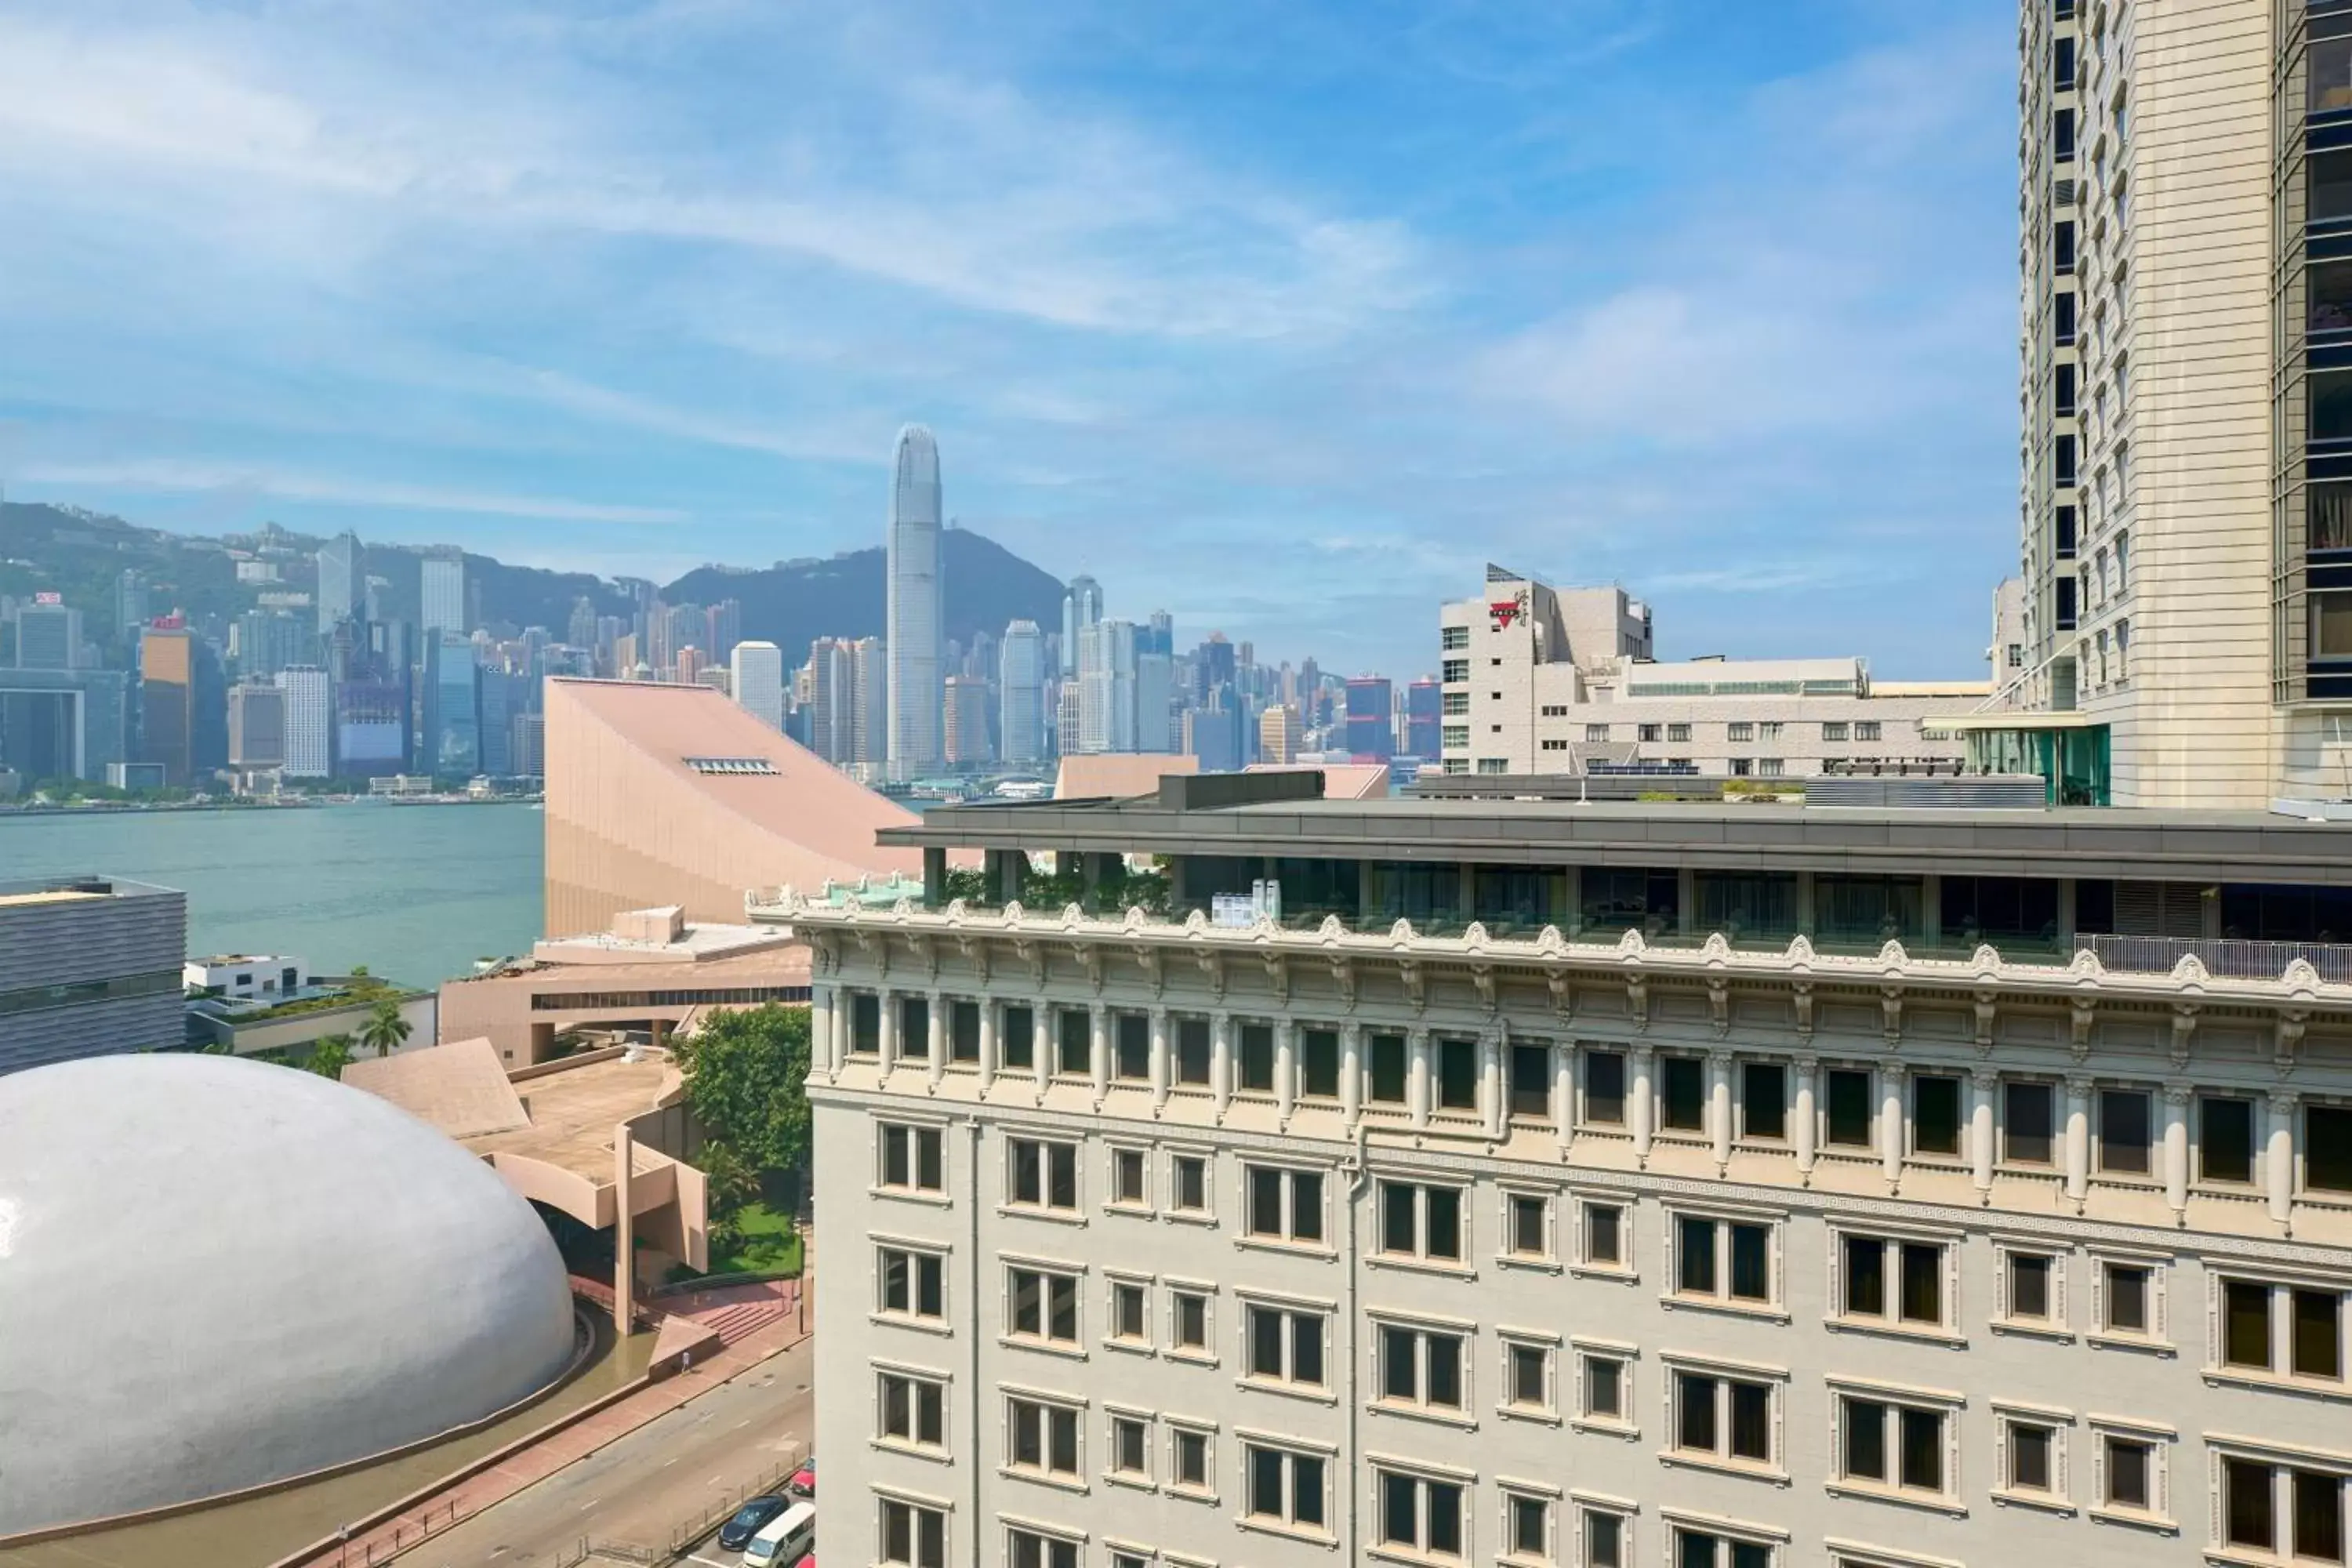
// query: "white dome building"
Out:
[217,1273]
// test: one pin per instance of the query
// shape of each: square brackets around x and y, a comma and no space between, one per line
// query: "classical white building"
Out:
[1544,680]
[1556,1225]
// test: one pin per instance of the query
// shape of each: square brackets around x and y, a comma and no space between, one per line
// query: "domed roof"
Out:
[217,1273]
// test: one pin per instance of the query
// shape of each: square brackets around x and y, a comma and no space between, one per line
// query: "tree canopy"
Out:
[746,1072]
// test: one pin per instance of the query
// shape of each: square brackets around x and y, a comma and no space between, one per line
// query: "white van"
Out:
[785,1538]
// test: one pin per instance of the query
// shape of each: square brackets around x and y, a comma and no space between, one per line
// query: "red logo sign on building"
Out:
[49,598]
[1504,612]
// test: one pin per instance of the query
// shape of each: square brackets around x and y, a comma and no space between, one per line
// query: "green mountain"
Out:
[82,554]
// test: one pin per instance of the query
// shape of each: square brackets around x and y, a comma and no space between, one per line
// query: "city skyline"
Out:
[1185,339]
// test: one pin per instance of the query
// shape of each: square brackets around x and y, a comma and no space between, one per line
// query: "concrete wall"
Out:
[135,942]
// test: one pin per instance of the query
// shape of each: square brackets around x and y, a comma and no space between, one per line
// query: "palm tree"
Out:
[385,1031]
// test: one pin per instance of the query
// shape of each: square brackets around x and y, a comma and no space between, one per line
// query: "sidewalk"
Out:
[470,1496]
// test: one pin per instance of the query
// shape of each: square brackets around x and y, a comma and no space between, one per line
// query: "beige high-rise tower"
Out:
[2187,399]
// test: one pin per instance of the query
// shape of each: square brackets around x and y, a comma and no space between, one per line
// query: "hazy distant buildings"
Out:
[267,641]
[1372,722]
[310,722]
[832,726]
[757,681]
[868,704]
[63,723]
[341,580]
[1082,607]
[1424,712]
[49,637]
[1278,734]
[453,723]
[1021,682]
[530,745]
[257,727]
[913,628]
[441,592]
[167,700]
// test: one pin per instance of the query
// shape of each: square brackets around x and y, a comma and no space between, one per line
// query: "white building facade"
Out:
[1180,1243]
[1020,687]
[310,722]
[756,680]
[1543,680]
[913,630]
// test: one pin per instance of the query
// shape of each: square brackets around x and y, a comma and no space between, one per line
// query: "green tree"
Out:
[746,1073]
[329,1057]
[385,1030]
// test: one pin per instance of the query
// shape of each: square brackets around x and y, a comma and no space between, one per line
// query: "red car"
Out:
[803,1481]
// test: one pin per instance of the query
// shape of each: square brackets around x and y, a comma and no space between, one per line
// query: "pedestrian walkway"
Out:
[775,1333]
[735,1311]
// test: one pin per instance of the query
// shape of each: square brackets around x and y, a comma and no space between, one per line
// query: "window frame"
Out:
[2058,1323]
[1288,1236]
[1049,1151]
[1287,1521]
[1386,1327]
[1725,1222]
[1624,1355]
[2157,1336]
[1420,1255]
[1675,1368]
[2008,1416]
[916,1380]
[1894,1401]
[913,1134]
[1048,1274]
[1050,1411]
[1624,1266]
[916,1253]
[1421,1477]
[2158,1439]
[1292,1310]
[1894,1276]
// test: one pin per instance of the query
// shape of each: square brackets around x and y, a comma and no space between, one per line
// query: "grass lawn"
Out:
[770,1244]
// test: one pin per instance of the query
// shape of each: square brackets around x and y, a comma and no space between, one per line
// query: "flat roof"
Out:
[71,886]
[2082,841]
[57,896]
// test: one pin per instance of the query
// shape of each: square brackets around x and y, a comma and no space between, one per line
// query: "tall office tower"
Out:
[441,592]
[580,630]
[528,746]
[257,726]
[1216,733]
[833,701]
[2187,505]
[1021,684]
[130,606]
[341,580]
[452,742]
[269,640]
[167,700]
[722,629]
[869,705]
[1155,721]
[625,656]
[1157,634]
[1069,718]
[1278,734]
[756,671]
[1213,666]
[310,722]
[966,711]
[1082,607]
[63,723]
[1371,731]
[682,628]
[48,636]
[1106,680]
[913,626]
[1310,693]
[499,700]
[1424,726]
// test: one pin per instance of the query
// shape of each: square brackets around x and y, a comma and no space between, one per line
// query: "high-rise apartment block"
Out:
[341,580]
[1704,1187]
[1020,687]
[757,670]
[1082,607]
[914,628]
[309,722]
[869,706]
[1278,734]
[1542,680]
[967,721]
[2187,509]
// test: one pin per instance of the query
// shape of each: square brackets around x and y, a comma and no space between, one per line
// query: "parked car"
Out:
[787,1538]
[803,1481]
[753,1516]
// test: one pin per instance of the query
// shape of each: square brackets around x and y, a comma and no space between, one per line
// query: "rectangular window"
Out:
[1894,1281]
[2033,1286]
[2128,1292]
[1076,1042]
[1044,1176]
[1605,1540]
[1130,1058]
[1725,1259]
[911,1284]
[1651,732]
[1257,1057]
[2123,1131]
[1043,1438]
[914,1025]
[1526,1369]
[1527,1526]
[1130,1449]
[1018,1046]
[1193,1052]
[1453,670]
[1189,1460]
[1286,1345]
[1604,1088]
[1604,1236]
[2028,1120]
[864,1023]
[912,1159]
[1531,1081]
[1421,1222]
[1682,1094]
[1530,1225]
[1729,1417]
[1452,637]
[2032,1456]
[1418,1514]
[1127,1178]
[1934,1114]
[1042,1306]
[1739,731]
[1596,734]
[2328,1145]
[1284,1205]
[2062,246]
[911,1410]
[1458,1075]
[1764,1101]
[1833,729]
[1678,732]
[964,1031]
[2281,1329]
[1028,1548]
[1318,1064]
[1893,1445]
[2225,1139]
[1390,1058]
[1127,1314]
[1454,705]
[1847,1122]
[913,1537]
[1284,1487]
[1189,1182]
[1187,1320]
[2129,1465]
[1423,1367]
[1604,1395]
[1867,730]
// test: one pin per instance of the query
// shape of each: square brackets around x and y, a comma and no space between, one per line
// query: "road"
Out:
[636,1489]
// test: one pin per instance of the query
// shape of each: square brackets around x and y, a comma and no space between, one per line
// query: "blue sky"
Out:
[1281,315]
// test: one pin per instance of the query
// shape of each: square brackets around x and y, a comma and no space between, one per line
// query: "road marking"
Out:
[741,1424]
[586,1506]
[698,1557]
[669,1462]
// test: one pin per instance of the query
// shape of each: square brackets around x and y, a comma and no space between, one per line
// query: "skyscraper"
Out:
[167,700]
[833,701]
[257,726]
[340,563]
[1423,731]
[442,592]
[868,705]
[1081,607]
[129,605]
[48,636]
[722,629]
[966,713]
[913,628]
[1155,674]
[453,717]
[1022,688]
[758,671]
[1372,724]
[310,722]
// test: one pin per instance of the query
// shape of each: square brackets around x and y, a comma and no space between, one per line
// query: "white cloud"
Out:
[193,478]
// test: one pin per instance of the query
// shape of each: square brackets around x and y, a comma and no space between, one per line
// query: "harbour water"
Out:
[415,893]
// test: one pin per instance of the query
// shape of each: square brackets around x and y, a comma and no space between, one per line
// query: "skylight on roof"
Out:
[730,764]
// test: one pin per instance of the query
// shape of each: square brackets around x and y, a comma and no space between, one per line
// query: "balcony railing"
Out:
[2224,958]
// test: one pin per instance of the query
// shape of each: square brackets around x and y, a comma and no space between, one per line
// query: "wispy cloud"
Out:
[189,477]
